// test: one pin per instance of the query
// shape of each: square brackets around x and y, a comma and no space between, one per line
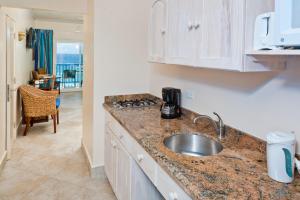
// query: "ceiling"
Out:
[57,16]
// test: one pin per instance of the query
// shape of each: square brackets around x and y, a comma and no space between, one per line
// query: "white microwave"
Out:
[287,23]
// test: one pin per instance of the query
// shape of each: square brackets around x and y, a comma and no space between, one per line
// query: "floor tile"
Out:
[48,166]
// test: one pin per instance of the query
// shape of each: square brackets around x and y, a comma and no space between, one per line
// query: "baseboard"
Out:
[98,172]
[3,161]
[95,171]
[87,155]
[66,90]
[19,127]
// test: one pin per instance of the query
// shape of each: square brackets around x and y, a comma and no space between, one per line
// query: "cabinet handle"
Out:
[140,157]
[197,25]
[190,25]
[121,136]
[173,196]
[163,31]
[114,145]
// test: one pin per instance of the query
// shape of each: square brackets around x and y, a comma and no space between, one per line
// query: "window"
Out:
[69,67]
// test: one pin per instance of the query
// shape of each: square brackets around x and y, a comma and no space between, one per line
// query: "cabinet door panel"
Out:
[109,157]
[222,30]
[198,27]
[157,30]
[180,34]
[123,173]
[141,186]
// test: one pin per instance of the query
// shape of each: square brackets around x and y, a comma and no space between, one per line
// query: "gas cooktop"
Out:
[134,103]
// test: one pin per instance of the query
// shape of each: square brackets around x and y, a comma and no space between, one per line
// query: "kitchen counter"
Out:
[238,172]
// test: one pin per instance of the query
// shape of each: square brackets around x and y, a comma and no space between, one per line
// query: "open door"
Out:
[10,65]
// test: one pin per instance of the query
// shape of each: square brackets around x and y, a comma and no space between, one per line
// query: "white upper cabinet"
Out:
[180,34]
[207,33]
[158,31]
[222,30]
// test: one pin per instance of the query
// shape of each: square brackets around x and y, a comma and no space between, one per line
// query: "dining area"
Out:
[40,99]
[41,96]
[50,76]
[38,105]
[44,81]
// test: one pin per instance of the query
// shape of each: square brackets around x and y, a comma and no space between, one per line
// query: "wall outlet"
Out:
[188,94]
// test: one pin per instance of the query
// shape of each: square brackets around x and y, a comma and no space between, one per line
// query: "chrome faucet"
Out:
[219,127]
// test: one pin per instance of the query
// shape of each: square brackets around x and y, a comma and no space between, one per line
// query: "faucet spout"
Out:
[219,126]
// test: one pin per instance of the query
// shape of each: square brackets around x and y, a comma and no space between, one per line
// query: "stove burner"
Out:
[134,103]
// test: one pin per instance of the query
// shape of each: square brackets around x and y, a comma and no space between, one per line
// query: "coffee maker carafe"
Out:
[171,107]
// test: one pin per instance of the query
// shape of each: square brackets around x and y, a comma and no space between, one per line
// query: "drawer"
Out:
[114,126]
[121,134]
[146,162]
[168,187]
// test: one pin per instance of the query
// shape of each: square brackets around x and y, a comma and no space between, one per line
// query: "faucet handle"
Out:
[220,119]
[221,126]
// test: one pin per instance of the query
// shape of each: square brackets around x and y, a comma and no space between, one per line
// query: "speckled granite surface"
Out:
[238,172]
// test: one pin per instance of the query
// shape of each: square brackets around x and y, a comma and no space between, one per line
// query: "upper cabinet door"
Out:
[222,30]
[197,21]
[158,31]
[180,32]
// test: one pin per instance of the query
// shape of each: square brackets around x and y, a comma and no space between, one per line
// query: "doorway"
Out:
[10,83]
[69,65]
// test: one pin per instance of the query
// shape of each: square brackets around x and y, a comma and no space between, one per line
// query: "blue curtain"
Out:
[42,44]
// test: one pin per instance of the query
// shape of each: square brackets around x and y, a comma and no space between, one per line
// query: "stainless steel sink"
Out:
[193,145]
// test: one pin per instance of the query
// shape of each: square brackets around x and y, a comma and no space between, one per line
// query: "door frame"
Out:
[10,28]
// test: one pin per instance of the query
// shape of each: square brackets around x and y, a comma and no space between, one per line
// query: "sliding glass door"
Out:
[69,65]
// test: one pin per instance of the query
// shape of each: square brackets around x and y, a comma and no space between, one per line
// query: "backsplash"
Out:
[256,103]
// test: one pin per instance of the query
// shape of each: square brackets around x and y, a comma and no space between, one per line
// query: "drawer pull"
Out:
[113,144]
[121,136]
[140,157]
[173,196]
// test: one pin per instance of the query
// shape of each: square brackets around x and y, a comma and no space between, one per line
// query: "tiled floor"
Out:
[52,166]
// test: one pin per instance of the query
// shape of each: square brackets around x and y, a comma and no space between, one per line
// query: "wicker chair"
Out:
[42,71]
[35,75]
[38,103]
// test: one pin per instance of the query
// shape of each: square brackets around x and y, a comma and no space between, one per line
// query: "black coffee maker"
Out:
[171,107]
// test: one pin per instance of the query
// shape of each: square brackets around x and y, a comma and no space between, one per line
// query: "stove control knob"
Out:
[140,157]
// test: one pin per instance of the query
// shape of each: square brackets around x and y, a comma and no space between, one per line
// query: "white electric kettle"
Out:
[281,156]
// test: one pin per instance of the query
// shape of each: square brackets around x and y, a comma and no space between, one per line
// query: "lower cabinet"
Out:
[141,186]
[123,173]
[127,179]
[132,172]
[110,158]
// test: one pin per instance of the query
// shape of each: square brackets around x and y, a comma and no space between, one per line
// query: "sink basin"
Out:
[193,145]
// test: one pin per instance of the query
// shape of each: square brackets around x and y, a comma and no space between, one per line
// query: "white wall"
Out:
[88,84]
[75,6]
[256,103]
[62,32]
[23,57]
[120,59]
[2,87]
[23,64]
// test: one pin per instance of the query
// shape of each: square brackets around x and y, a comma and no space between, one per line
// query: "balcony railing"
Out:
[70,75]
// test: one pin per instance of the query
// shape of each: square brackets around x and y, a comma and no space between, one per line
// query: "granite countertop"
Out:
[238,172]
